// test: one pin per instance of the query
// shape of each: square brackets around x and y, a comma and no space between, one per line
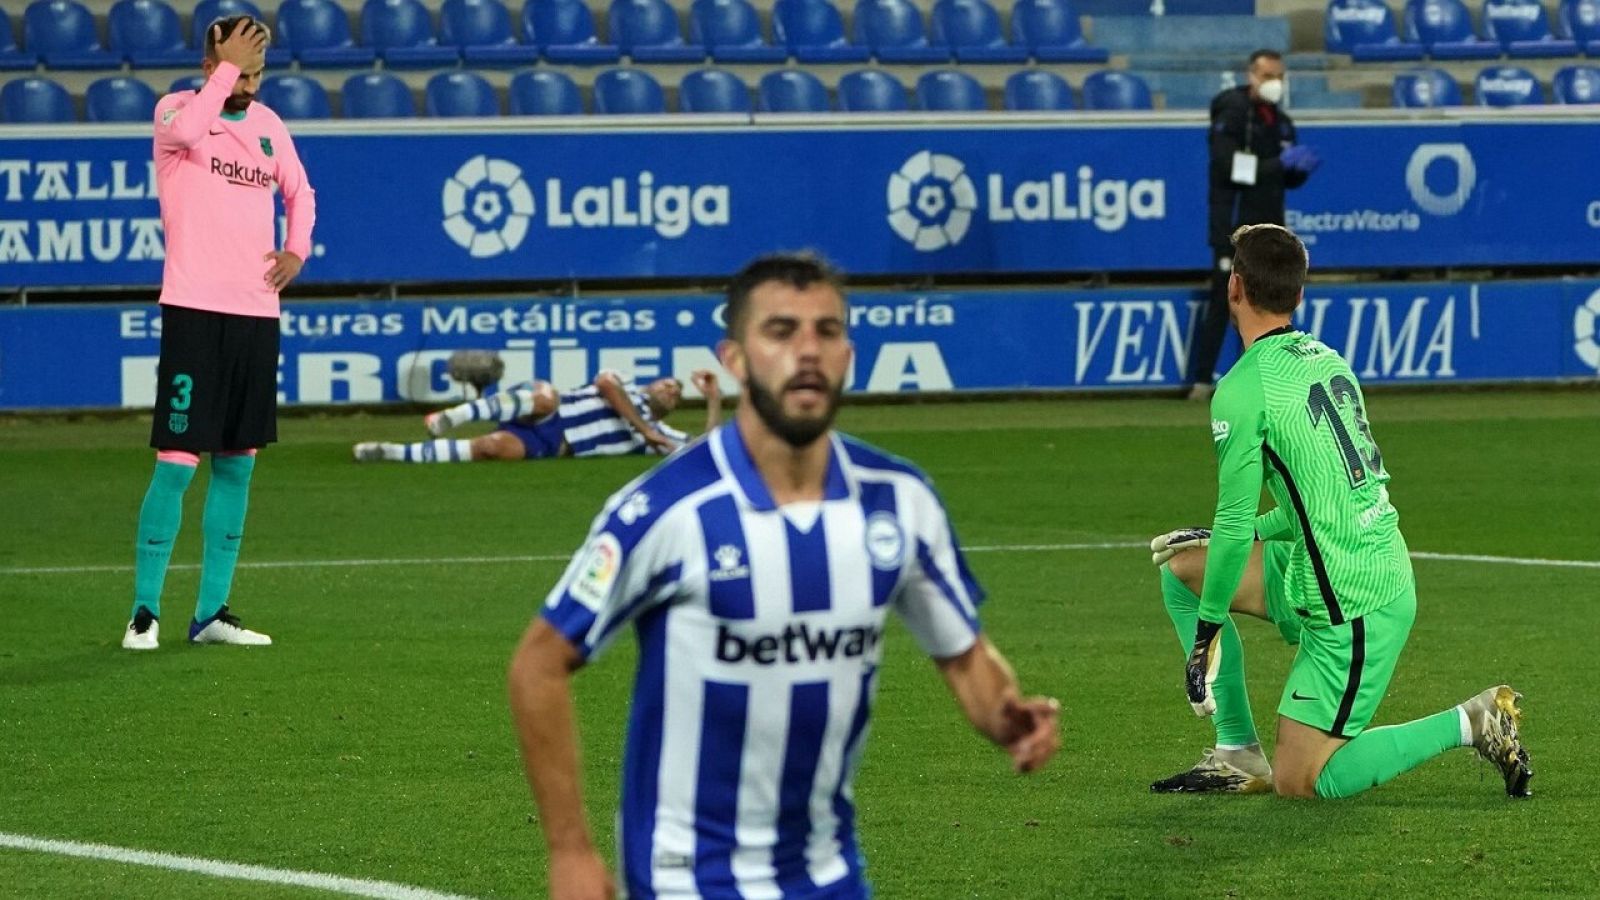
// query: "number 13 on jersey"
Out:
[1325,403]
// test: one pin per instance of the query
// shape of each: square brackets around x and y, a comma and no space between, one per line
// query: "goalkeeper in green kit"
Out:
[1328,566]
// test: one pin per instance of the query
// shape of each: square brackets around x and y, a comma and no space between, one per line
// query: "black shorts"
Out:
[217,382]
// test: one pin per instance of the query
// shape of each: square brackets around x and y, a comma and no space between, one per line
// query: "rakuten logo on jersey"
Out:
[797,643]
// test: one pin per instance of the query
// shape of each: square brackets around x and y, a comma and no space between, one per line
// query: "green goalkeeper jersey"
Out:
[1290,411]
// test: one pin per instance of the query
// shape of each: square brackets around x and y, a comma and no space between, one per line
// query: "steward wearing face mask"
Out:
[1254,158]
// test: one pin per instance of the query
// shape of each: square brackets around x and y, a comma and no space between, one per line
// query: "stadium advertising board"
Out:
[374,352]
[505,205]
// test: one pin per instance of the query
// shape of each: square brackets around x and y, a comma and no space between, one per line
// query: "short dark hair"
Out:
[797,270]
[1264,53]
[228,24]
[1271,262]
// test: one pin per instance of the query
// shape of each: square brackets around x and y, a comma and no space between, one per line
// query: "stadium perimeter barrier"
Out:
[660,198]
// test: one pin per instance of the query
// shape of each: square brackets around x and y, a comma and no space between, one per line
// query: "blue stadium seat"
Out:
[792,91]
[947,90]
[295,97]
[1580,21]
[563,30]
[1445,28]
[187,83]
[147,33]
[1508,86]
[317,32]
[731,31]
[12,59]
[29,100]
[893,30]
[813,31]
[713,91]
[1050,31]
[1116,90]
[1576,85]
[871,90]
[451,94]
[482,29]
[971,29]
[1365,30]
[1424,88]
[401,32]
[627,92]
[1523,29]
[1038,89]
[544,93]
[377,95]
[119,99]
[208,11]
[62,33]
[647,31]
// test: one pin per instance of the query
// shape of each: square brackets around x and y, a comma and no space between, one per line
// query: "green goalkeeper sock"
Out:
[159,518]
[1379,754]
[1235,726]
[226,500]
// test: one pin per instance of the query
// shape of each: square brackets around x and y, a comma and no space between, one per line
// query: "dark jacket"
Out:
[1237,124]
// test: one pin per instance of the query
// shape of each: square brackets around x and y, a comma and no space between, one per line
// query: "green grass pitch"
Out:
[373,740]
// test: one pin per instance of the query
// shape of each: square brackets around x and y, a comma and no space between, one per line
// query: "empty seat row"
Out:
[626,91]
[1443,29]
[1497,86]
[148,33]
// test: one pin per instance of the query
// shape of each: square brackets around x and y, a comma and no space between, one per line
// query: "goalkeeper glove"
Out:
[1201,671]
[1165,546]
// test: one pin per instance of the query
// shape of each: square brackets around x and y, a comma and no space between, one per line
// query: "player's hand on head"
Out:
[1165,546]
[244,46]
[285,267]
[1033,726]
[579,875]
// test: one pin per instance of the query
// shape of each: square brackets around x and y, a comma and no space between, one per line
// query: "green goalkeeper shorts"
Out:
[1274,566]
[1341,672]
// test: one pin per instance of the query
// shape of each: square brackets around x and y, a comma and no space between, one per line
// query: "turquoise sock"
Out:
[226,500]
[159,518]
[1234,724]
[1379,754]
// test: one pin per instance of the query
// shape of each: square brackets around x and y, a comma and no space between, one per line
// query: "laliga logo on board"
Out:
[1586,331]
[487,206]
[931,200]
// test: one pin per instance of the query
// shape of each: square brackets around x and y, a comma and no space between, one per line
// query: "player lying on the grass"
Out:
[1333,571]
[606,418]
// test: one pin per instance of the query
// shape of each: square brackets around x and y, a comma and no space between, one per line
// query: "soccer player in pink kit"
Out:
[218,158]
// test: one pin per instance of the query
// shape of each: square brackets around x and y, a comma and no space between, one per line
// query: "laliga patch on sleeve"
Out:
[598,571]
[169,115]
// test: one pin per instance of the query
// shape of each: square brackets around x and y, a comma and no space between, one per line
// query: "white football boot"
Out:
[224,628]
[1495,718]
[144,632]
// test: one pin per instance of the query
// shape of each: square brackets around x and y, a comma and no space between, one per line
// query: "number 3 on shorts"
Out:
[183,384]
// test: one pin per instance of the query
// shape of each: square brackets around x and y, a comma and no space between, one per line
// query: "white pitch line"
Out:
[357,887]
[1509,560]
[504,560]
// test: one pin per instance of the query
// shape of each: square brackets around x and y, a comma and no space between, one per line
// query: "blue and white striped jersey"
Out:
[760,632]
[592,428]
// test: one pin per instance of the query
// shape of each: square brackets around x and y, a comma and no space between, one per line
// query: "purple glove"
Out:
[1300,158]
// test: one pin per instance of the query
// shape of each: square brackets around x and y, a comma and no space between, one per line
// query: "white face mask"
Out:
[1271,90]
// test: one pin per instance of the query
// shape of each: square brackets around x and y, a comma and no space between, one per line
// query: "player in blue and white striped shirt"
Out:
[608,417]
[757,568]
